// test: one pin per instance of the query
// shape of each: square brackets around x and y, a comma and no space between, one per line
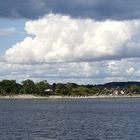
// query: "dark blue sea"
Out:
[70,119]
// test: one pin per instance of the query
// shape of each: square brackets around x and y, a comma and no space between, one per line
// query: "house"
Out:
[48,90]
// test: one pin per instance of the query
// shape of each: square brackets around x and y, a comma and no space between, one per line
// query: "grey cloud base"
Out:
[97,9]
[82,73]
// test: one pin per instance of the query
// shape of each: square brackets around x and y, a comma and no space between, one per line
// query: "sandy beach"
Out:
[65,97]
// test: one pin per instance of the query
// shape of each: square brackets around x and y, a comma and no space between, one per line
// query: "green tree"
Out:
[71,86]
[9,87]
[82,91]
[134,89]
[41,86]
[28,87]
[61,89]
[54,87]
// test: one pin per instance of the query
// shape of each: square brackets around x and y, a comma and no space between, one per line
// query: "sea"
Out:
[70,119]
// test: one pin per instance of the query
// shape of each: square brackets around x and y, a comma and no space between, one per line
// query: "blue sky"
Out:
[89,42]
[8,40]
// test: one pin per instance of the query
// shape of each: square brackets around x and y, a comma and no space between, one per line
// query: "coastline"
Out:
[67,97]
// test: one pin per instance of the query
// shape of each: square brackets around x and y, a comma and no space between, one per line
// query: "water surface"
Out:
[70,119]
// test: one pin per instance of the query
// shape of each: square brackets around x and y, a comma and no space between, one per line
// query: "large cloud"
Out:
[57,38]
[97,9]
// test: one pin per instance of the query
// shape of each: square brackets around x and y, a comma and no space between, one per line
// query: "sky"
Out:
[86,42]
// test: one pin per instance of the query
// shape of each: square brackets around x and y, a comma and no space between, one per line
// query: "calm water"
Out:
[70,119]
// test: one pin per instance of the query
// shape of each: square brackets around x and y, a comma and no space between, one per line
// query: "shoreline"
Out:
[67,97]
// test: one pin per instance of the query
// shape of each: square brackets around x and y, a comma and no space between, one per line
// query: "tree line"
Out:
[43,88]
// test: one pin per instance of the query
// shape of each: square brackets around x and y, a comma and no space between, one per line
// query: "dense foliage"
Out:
[43,88]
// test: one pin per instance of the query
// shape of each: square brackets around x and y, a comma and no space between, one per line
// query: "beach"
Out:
[27,96]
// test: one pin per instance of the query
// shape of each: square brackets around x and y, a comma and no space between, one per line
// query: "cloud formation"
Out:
[97,9]
[6,31]
[81,72]
[57,38]
[92,41]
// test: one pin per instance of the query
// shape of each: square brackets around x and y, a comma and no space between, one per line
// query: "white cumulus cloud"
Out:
[57,38]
